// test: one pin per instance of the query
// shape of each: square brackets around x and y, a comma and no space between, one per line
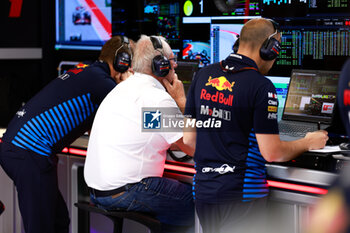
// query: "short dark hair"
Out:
[109,48]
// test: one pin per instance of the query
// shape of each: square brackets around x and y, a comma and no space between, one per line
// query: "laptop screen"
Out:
[281,84]
[311,96]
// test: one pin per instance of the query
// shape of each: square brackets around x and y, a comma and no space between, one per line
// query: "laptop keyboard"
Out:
[295,129]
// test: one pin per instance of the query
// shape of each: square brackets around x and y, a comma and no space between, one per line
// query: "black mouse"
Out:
[344,146]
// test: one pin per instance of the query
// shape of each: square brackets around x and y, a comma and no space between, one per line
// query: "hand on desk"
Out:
[317,139]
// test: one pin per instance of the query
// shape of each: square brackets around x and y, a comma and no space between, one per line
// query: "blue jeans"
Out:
[168,200]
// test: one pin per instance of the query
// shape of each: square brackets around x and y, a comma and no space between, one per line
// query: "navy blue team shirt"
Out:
[228,163]
[343,97]
[62,111]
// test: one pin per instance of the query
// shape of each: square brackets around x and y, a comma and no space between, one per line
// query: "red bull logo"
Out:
[81,66]
[218,97]
[78,68]
[220,83]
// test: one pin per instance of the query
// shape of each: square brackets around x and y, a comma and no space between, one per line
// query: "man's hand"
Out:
[317,139]
[176,91]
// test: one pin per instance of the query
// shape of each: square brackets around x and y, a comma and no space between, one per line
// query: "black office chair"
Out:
[117,216]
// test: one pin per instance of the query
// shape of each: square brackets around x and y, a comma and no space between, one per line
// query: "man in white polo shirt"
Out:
[124,164]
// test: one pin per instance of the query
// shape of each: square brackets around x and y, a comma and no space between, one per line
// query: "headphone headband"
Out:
[270,48]
[125,39]
[157,43]
[122,60]
[276,25]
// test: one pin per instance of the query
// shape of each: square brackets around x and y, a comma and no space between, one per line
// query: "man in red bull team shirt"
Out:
[230,182]
[332,212]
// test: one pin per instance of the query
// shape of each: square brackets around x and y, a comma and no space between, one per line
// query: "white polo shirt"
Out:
[118,151]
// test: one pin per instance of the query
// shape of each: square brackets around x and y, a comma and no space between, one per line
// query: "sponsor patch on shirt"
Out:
[225,168]
[218,97]
[272,108]
[214,112]
[272,95]
[220,83]
[272,116]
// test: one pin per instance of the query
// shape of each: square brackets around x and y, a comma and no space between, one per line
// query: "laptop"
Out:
[310,103]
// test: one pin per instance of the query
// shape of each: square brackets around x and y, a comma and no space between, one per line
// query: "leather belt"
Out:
[99,193]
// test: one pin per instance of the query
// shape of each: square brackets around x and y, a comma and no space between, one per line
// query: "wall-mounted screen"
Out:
[313,43]
[223,35]
[196,50]
[195,8]
[83,24]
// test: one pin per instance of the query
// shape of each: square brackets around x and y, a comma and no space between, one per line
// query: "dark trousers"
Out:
[41,204]
[233,217]
[170,201]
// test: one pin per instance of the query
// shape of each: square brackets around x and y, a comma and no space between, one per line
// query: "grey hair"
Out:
[144,53]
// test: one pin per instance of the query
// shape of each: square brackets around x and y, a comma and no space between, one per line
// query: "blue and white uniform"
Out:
[229,166]
[62,111]
[55,117]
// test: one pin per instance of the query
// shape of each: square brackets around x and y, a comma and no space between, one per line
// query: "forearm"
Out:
[291,150]
[275,150]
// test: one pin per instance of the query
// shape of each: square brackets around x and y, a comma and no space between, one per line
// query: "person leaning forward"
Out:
[51,120]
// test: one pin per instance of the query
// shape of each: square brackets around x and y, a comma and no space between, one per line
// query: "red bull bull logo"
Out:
[81,66]
[220,83]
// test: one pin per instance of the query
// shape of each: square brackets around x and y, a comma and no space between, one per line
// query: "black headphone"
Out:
[122,60]
[160,64]
[270,48]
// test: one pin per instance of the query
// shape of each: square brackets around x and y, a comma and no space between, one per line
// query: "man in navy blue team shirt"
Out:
[332,212]
[50,121]
[230,180]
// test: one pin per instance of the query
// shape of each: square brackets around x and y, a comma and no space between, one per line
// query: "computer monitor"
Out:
[83,24]
[281,84]
[311,96]
[162,18]
[312,43]
[196,50]
[223,34]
